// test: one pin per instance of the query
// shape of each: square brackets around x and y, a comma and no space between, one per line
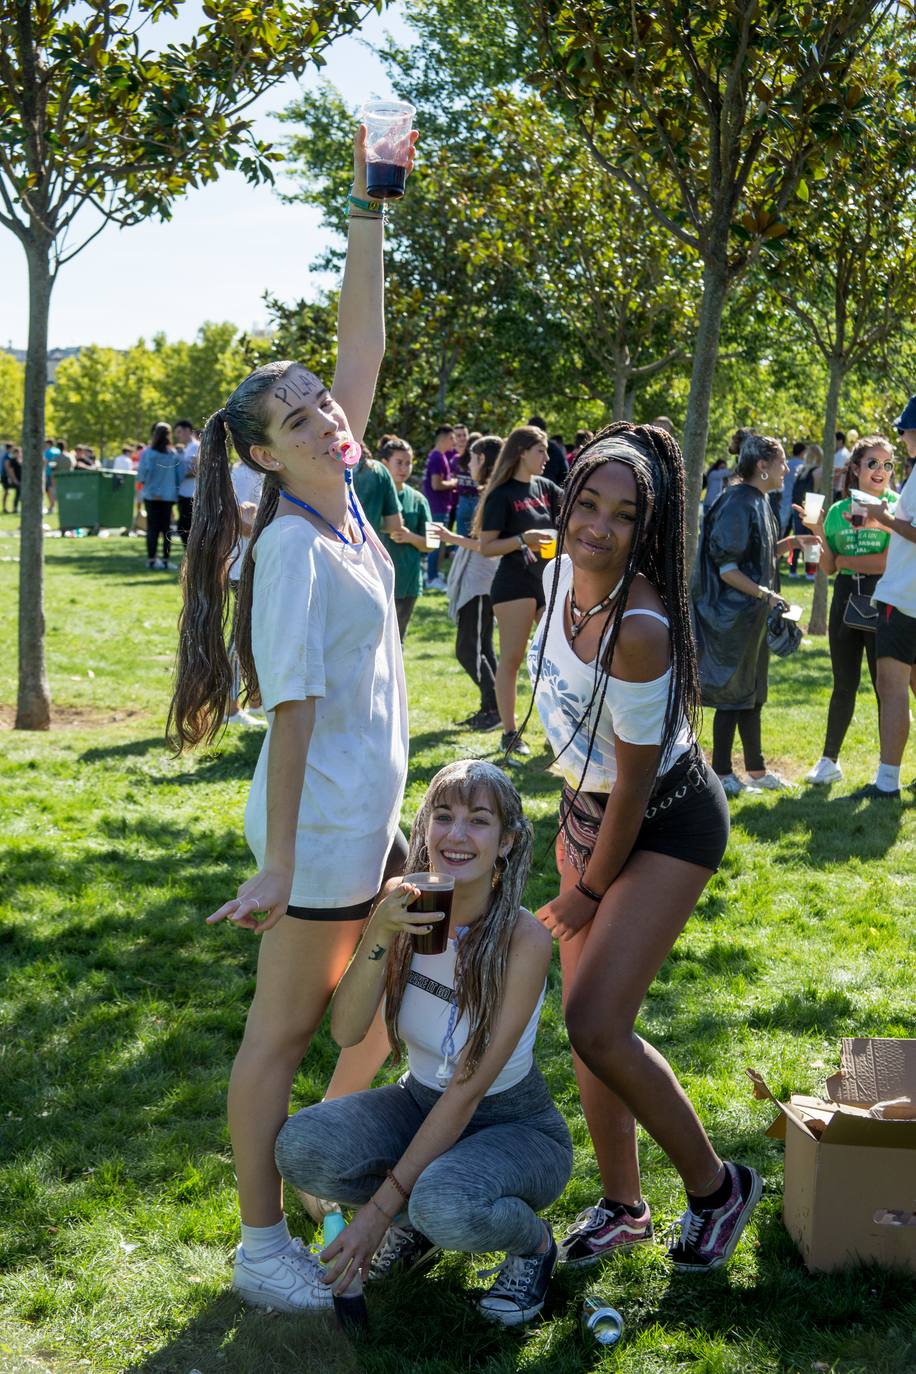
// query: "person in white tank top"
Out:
[643,827]
[468,1147]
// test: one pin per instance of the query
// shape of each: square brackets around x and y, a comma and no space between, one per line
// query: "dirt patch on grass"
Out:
[74,717]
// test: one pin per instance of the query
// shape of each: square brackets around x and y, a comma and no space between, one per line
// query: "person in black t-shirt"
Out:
[556,467]
[516,522]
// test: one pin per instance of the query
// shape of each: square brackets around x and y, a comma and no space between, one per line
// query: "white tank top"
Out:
[434,1039]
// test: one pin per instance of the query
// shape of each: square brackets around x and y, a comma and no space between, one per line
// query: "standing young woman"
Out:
[643,827]
[516,517]
[466,1149]
[317,638]
[859,556]
[159,473]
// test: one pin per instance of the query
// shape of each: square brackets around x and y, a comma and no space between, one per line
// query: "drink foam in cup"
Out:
[388,125]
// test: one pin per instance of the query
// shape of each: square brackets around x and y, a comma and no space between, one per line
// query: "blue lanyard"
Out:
[354,510]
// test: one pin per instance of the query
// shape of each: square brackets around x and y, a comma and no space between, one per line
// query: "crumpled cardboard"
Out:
[850,1162]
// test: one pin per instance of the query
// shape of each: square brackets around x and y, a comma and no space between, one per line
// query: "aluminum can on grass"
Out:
[601,1323]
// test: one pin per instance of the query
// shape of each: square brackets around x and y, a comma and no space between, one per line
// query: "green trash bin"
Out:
[94,500]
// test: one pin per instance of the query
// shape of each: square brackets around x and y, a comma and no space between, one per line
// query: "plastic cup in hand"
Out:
[549,550]
[433,537]
[814,504]
[436,893]
[388,125]
[858,513]
[813,554]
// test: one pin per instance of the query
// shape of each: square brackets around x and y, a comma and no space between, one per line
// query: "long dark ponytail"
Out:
[203,672]
[658,551]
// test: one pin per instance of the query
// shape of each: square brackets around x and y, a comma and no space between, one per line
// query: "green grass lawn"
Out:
[121,1012]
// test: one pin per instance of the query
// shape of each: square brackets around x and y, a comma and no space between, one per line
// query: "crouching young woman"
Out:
[468,1147]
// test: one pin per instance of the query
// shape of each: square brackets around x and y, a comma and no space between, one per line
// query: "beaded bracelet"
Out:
[389,1216]
[397,1184]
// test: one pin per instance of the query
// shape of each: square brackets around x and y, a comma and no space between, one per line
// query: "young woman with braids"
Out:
[317,639]
[464,1150]
[643,827]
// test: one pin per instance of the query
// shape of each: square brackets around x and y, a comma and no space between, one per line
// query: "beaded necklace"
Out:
[579,619]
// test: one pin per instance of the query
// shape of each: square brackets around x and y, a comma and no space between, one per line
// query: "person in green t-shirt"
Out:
[407,544]
[377,494]
[857,555]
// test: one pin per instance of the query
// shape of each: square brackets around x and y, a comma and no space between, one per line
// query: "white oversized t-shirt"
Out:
[324,626]
[897,586]
[248,486]
[632,711]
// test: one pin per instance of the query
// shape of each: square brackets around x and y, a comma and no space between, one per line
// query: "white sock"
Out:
[263,1242]
[887,778]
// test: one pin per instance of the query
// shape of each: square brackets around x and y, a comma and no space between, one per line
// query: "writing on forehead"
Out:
[295,388]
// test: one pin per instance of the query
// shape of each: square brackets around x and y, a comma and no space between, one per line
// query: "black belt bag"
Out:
[859,613]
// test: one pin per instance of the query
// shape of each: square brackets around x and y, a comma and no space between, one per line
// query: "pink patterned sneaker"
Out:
[605,1229]
[709,1235]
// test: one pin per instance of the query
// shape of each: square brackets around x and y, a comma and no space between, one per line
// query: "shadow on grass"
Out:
[828,831]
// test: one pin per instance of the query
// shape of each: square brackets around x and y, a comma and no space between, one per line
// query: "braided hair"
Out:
[657,551]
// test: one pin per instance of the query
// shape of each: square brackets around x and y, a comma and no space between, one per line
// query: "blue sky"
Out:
[225,245]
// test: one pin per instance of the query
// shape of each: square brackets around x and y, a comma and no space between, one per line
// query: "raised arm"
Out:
[361,311]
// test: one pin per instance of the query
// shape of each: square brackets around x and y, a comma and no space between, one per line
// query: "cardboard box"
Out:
[850,1162]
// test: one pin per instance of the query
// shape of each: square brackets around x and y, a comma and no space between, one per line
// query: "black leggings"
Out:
[724,724]
[158,521]
[474,648]
[846,648]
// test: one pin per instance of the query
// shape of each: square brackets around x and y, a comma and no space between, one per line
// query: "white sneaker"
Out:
[243,718]
[770,782]
[732,785]
[288,1282]
[438,584]
[824,771]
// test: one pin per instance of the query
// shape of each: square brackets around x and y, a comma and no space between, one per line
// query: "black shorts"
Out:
[687,817]
[358,911]
[895,636]
[518,583]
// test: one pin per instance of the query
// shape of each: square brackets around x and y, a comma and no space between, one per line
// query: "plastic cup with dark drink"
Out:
[388,125]
[858,513]
[436,893]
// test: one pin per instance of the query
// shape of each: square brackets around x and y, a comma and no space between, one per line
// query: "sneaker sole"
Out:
[274,1303]
[623,1248]
[756,1192]
[519,1318]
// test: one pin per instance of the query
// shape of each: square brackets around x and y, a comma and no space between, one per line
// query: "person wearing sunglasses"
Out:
[857,554]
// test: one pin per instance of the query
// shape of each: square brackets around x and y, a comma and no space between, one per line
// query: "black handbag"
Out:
[859,613]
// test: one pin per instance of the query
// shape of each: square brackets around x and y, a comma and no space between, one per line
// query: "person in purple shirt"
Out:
[438,484]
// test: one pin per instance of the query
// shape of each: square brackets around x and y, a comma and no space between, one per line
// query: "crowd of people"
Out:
[317,551]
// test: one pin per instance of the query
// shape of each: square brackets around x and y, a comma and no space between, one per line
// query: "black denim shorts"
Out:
[687,817]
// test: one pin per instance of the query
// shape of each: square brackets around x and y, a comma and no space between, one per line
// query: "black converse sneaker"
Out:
[520,1287]
[403,1249]
[709,1235]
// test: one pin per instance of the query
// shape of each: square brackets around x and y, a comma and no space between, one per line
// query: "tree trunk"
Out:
[33,708]
[705,353]
[621,377]
[817,625]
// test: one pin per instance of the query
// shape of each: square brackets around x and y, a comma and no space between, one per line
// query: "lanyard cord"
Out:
[354,510]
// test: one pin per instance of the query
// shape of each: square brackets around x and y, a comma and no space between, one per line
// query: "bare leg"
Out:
[894,721]
[515,619]
[636,925]
[299,965]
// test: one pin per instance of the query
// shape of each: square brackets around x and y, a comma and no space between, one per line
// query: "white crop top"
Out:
[434,1041]
[632,711]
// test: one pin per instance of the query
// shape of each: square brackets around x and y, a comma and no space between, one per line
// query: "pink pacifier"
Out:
[349,451]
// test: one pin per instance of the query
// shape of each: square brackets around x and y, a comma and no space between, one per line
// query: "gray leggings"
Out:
[513,1159]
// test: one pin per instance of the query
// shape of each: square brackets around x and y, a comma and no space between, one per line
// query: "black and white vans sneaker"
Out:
[520,1287]
[403,1250]
[709,1235]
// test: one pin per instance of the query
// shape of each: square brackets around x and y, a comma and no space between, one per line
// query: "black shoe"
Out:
[709,1235]
[511,742]
[488,720]
[872,793]
[520,1287]
[403,1249]
[469,722]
